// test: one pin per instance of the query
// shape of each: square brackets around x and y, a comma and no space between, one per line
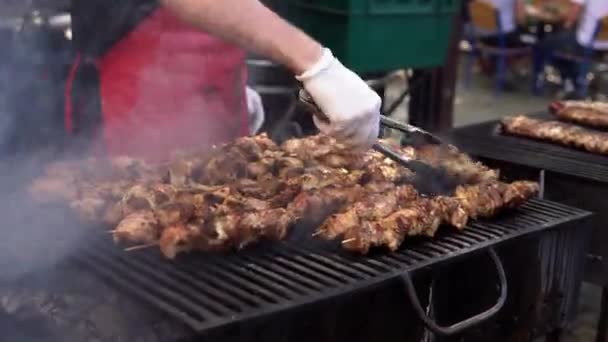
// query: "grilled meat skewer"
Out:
[423,216]
[594,114]
[558,133]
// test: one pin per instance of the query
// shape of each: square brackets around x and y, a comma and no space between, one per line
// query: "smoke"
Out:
[32,236]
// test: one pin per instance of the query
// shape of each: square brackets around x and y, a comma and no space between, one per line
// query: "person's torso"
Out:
[164,84]
[506,9]
[506,17]
[593,11]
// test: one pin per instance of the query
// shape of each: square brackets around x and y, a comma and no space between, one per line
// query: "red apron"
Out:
[166,86]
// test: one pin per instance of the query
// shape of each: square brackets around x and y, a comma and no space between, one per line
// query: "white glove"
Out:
[255,108]
[351,106]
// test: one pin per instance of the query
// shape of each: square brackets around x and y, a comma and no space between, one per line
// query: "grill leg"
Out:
[602,325]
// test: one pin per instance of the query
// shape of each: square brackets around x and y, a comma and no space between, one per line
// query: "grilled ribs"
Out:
[557,132]
[594,114]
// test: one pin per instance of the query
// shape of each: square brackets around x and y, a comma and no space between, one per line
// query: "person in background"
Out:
[580,24]
[152,77]
[510,12]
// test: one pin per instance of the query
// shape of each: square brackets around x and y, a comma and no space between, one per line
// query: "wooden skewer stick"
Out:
[348,240]
[317,233]
[136,248]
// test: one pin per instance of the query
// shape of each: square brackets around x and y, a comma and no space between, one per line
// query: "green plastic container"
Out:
[378,35]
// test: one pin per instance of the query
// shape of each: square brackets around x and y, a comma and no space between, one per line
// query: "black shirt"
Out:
[99,24]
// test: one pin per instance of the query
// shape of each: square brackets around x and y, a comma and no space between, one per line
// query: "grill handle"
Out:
[469,322]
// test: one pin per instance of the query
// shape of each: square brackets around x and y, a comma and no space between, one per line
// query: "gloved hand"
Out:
[352,107]
[255,108]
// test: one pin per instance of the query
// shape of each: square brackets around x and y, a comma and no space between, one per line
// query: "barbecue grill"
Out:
[210,294]
[567,174]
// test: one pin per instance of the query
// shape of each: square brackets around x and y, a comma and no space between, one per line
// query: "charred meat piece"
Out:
[485,200]
[177,239]
[416,218]
[315,206]
[225,168]
[386,170]
[321,177]
[145,197]
[183,171]
[271,224]
[90,209]
[451,211]
[172,213]
[369,208]
[140,227]
[323,150]
[456,165]
[223,233]
[288,167]
[557,132]
[482,200]
[187,237]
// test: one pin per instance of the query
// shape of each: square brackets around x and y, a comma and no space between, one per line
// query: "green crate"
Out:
[378,35]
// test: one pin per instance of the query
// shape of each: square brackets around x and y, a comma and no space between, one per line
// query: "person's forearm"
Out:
[251,25]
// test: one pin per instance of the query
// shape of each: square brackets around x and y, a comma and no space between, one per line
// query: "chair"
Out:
[484,16]
[585,60]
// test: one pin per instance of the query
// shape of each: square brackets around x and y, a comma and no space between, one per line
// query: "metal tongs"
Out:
[412,136]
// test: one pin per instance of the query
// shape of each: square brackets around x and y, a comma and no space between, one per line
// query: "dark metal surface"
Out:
[209,292]
[484,141]
[467,323]
[569,174]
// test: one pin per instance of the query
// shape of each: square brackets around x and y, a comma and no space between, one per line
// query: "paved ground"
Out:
[478,102]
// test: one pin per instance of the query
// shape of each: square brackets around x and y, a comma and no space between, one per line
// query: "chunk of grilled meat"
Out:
[226,232]
[377,168]
[140,227]
[424,215]
[372,207]
[245,157]
[456,165]
[90,209]
[415,218]
[323,150]
[146,197]
[451,211]
[320,177]
[557,132]
[187,237]
[518,192]
[183,171]
[172,213]
[314,206]
[485,200]
[594,114]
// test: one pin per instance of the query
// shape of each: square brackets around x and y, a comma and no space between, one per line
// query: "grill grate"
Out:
[482,140]
[209,291]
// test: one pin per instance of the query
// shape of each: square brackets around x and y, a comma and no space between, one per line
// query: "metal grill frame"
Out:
[566,173]
[257,283]
[483,140]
